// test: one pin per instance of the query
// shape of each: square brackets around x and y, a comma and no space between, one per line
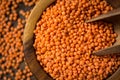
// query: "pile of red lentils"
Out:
[64,42]
[13,15]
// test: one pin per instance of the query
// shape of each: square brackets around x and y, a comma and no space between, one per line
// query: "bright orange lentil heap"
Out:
[12,66]
[64,42]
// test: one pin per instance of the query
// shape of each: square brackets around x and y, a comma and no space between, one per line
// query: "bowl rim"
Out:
[28,38]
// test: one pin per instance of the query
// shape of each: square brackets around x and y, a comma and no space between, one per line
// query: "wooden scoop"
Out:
[114,17]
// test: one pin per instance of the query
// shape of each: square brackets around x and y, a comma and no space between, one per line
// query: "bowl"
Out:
[28,40]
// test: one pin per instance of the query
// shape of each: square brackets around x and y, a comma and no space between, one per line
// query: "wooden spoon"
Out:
[114,17]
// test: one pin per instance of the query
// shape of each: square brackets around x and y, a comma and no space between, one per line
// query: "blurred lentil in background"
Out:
[64,42]
[13,16]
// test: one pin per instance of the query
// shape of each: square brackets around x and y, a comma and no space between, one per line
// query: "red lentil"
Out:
[64,42]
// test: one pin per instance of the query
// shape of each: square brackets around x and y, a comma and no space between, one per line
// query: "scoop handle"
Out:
[114,4]
[113,13]
[107,51]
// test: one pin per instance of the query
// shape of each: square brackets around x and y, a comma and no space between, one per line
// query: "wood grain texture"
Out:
[111,50]
[113,13]
[115,76]
[29,51]
[114,3]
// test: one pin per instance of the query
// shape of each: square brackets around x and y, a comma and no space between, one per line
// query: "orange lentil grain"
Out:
[62,31]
